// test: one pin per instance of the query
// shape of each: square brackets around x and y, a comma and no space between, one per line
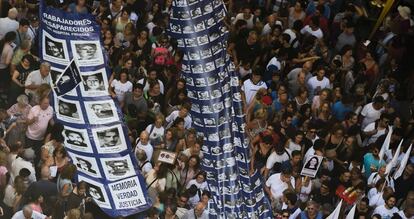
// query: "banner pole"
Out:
[381,18]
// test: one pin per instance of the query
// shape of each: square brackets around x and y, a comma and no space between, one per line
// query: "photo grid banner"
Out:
[95,137]
[214,90]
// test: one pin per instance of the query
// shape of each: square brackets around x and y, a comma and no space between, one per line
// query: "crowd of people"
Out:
[312,85]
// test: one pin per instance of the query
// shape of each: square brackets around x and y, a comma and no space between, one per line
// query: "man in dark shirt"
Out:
[248,50]
[323,195]
[404,183]
[45,187]
[342,180]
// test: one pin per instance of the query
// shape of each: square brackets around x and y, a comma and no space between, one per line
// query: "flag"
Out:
[351,213]
[386,145]
[335,213]
[403,163]
[393,162]
[68,80]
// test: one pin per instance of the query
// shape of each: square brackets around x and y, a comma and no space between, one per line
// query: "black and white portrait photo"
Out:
[175,28]
[207,8]
[109,139]
[210,122]
[84,165]
[119,167]
[203,95]
[202,40]
[94,84]
[96,191]
[188,29]
[87,52]
[197,68]
[54,48]
[68,109]
[206,53]
[75,138]
[194,55]
[200,82]
[210,22]
[196,12]
[311,166]
[215,94]
[100,112]
[199,27]
[190,42]
[209,66]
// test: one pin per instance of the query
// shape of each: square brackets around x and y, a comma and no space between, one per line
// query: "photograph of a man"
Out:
[117,167]
[109,138]
[75,138]
[54,49]
[93,82]
[102,110]
[96,193]
[68,109]
[85,165]
[87,51]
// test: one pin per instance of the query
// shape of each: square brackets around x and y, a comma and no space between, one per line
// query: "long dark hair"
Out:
[9,37]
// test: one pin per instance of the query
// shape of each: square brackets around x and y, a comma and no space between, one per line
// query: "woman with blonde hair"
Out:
[258,124]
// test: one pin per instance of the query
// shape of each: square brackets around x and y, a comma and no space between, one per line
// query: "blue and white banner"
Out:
[95,137]
[217,111]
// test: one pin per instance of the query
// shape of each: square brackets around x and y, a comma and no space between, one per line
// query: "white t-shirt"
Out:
[277,186]
[121,88]
[156,132]
[174,115]
[370,114]
[314,83]
[373,138]
[147,148]
[275,158]
[384,212]
[403,216]
[308,30]
[201,186]
[146,85]
[251,89]
[292,37]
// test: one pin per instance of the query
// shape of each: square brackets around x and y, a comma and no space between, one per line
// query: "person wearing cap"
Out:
[9,23]
[33,28]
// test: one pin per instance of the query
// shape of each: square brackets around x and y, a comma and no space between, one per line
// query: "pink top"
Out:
[37,130]
[36,207]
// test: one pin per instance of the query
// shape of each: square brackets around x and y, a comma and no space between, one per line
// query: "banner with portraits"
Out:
[217,112]
[95,137]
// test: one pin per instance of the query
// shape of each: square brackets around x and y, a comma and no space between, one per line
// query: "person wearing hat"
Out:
[33,28]
[9,23]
